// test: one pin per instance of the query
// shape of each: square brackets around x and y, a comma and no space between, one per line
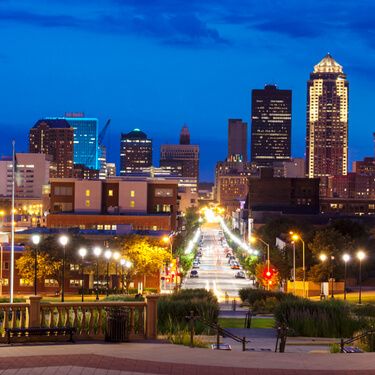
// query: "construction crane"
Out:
[100,141]
[102,133]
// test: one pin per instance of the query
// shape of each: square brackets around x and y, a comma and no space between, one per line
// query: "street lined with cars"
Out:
[215,266]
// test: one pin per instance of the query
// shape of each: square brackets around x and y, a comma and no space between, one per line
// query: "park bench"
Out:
[12,333]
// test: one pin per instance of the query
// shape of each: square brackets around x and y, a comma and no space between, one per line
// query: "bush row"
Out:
[173,310]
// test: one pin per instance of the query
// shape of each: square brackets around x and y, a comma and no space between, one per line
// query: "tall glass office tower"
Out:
[86,150]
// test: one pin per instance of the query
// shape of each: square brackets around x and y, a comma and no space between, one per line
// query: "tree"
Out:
[332,243]
[48,267]
[49,260]
[145,254]
[272,279]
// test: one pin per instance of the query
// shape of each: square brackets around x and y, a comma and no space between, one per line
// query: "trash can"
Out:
[117,328]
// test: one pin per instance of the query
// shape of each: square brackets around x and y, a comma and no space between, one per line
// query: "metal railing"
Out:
[355,338]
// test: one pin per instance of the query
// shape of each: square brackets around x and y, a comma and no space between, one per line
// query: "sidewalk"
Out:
[160,358]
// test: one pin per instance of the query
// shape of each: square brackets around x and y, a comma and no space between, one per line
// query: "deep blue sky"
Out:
[158,64]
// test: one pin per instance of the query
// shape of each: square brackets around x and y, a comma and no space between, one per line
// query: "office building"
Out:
[271,120]
[182,160]
[54,137]
[142,203]
[289,168]
[237,140]
[135,152]
[33,173]
[111,169]
[327,120]
[86,150]
[365,167]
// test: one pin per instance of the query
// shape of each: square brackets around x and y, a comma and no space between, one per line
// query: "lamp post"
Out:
[294,267]
[35,240]
[253,239]
[360,255]
[108,255]
[82,252]
[97,252]
[63,241]
[116,257]
[296,237]
[346,259]
[122,262]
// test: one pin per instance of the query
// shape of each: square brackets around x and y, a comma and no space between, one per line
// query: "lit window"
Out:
[110,193]
[74,267]
[107,227]
[88,203]
[99,227]
[132,193]
[88,192]
[51,282]
[5,282]
[132,204]
[75,283]
[25,282]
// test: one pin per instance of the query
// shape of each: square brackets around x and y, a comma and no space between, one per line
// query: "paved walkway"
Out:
[161,358]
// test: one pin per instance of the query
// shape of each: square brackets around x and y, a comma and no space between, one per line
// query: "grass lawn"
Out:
[352,297]
[239,323]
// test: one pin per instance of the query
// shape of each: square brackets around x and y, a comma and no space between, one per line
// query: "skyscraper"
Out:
[135,152]
[54,137]
[86,149]
[327,120]
[237,140]
[271,114]
[182,159]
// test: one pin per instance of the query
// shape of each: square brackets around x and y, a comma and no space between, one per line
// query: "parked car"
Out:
[235,266]
[240,275]
[195,265]
[194,273]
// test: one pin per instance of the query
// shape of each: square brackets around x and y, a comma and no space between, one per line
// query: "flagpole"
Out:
[12,224]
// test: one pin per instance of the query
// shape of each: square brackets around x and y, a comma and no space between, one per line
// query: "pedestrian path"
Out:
[161,358]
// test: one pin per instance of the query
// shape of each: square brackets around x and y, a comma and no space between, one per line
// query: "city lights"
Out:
[234,238]
[193,242]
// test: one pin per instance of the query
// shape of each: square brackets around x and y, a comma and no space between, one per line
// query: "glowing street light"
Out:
[361,256]
[97,253]
[116,257]
[63,241]
[297,237]
[82,252]
[253,240]
[346,259]
[108,256]
[323,258]
[35,239]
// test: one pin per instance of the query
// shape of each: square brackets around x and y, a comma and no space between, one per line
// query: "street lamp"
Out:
[63,241]
[294,267]
[35,239]
[82,252]
[346,259]
[253,239]
[323,258]
[360,255]
[108,255]
[116,257]
[97,252]
[297,237]
[124,264]
[167,240]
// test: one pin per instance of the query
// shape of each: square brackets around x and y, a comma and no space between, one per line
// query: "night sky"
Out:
[158,64]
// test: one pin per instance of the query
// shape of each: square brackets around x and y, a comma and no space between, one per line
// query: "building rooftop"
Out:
[53,123]
[135,134]
[328,65]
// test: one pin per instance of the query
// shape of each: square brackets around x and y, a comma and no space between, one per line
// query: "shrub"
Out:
[317,319]
[251,296]
[266,306]
[173,309]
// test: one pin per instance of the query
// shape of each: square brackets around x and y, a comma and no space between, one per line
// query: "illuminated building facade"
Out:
[271,114]
[237,140]
[85,139]
[54,137]
[135,152]
[182,160]
[327,120]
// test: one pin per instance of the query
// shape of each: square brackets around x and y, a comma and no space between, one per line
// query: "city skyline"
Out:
[140,76]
